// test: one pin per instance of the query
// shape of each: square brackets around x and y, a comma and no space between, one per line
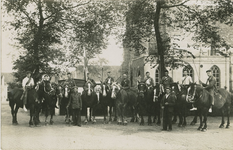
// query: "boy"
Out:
[76,104]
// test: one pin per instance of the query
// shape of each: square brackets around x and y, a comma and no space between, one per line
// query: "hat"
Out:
[166,70]
[28,72]
[109,72]
[208,70]
[68,73]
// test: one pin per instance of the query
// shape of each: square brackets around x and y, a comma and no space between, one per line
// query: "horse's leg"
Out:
[184,116]
[13,113]
[223,122]
[52,113]
[86,115]
[109,112]
[105,109]
[46,114]
[94,108]
[31,115]
[200,116]
[195,118]
[228,116]
[174,120]
[159,115]
[205,120]
[133,116]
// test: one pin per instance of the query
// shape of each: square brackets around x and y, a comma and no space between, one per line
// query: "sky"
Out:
[113,53]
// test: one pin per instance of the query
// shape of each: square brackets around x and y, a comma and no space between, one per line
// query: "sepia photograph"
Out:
[116,74]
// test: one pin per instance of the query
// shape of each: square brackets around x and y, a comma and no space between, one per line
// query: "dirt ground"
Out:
[108,136]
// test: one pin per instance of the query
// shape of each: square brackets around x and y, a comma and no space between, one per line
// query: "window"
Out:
[189,70]
[216,74]
[157,76]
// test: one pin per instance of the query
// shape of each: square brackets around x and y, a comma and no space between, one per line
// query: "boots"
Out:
[194,108]
[24,108]
[210,110]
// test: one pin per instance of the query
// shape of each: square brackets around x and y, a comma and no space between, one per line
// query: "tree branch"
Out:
[181,4]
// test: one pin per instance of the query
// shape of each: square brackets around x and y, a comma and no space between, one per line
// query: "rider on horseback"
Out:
[210,86]
[166,81]
[125,83]
[149,81]
[91,80]
[27,83]
[186,80]
[109,80]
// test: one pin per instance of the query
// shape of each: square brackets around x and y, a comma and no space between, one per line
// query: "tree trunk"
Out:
[159,39]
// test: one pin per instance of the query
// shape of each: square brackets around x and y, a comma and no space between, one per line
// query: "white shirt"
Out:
[25,80]
[186,80]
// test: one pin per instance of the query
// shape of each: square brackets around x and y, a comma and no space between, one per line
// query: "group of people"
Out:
[167,102]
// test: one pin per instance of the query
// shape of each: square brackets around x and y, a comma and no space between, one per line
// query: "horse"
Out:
[181,104]
[108,104]
[201,97]
[33,104]
[47,95]
[149,99]
[124,98]
[89,99]
[63,94]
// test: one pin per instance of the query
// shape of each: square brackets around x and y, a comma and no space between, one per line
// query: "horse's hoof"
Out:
[179,125]
[227,127]
[199,128]
[221,126]
[109,122]
[203,130]
[51,122]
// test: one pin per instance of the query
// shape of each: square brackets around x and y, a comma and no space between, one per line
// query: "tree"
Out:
[54,33]
[39,27]
[147,19]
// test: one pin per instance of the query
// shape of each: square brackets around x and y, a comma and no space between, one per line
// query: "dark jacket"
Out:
[166,81]
[125,83]
[170,100]
[210,84]
[75,100]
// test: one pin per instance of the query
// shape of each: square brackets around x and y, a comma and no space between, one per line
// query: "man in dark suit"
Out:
[166,80]
[167,104]
[125,83]
[210,86]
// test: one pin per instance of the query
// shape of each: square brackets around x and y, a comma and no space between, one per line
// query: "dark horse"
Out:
[32,103]
[182,102]
[202,97]
[63,94]
[148,100]
[124,98]
[90,100]
[107,103]
[47,94]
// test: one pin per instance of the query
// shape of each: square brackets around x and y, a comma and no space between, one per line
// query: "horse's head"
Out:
[175,88]
[157,93]
[115,89]
[105,89]
[66,91]
[141,88]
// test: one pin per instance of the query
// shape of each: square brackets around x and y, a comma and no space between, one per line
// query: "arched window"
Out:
[157,76]
[189,70]
[216,73]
